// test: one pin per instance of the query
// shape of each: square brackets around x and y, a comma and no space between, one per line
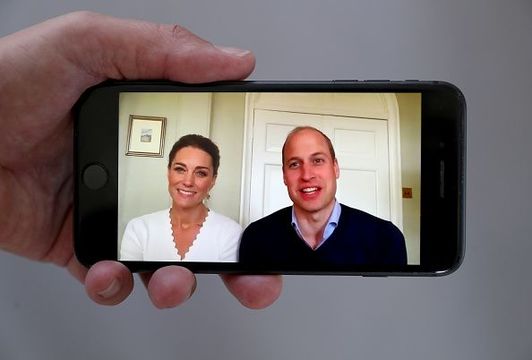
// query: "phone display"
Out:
[338,177]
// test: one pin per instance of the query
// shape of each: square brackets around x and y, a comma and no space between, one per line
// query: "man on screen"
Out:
[317,230]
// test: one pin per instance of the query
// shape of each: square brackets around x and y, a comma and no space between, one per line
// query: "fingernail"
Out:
[111,290]
[234,51]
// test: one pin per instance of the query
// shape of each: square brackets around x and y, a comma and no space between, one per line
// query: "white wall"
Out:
[410,125]
[227,131]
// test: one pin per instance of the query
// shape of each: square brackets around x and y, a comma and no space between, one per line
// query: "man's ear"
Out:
[336,168]
[284,176]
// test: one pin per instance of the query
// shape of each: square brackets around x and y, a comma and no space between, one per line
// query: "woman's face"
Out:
[190,177]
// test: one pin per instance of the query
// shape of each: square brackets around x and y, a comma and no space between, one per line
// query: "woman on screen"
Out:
[188,230]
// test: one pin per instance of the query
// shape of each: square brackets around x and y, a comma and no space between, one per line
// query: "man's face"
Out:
[309,171]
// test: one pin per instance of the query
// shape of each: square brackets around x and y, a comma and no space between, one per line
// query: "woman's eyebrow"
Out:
[202,168]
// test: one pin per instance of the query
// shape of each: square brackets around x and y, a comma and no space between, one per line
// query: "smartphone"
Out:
[329,177]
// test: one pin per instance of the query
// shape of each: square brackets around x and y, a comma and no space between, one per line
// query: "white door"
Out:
[361,147]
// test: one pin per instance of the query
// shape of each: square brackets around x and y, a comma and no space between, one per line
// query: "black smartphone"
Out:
[329,177]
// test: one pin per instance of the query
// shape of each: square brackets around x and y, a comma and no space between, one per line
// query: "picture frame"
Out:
[145,136]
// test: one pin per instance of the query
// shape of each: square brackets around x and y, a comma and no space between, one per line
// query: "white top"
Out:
[149,238]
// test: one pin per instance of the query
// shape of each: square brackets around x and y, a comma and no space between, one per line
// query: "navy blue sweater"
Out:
[359,239]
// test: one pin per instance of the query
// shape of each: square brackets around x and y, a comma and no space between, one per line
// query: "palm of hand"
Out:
[36,158]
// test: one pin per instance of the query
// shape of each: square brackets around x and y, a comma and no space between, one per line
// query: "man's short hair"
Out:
[301,128]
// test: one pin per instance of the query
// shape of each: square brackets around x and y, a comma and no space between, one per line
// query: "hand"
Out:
[43,71]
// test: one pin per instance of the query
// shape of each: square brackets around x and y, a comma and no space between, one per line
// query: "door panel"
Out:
[362,151]
[275,196]
[358,189]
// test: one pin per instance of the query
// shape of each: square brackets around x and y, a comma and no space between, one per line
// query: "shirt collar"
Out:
[331,224]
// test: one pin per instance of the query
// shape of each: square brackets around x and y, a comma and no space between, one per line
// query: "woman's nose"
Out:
[188,179]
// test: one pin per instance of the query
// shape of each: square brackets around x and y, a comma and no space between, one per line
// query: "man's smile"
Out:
[309,190]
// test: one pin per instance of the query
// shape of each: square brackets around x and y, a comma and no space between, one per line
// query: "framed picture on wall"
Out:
[145,136]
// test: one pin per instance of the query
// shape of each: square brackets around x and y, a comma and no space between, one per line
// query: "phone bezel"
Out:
[442,169]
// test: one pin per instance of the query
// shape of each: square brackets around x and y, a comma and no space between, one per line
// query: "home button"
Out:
[95,176]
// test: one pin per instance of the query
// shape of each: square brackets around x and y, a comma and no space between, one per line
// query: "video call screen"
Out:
[376,139]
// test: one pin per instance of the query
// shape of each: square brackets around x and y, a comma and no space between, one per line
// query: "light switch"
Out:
[407,193]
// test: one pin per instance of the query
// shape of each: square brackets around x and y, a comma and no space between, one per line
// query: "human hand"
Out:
[43,71]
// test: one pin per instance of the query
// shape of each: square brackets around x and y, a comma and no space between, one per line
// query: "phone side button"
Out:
[95,176]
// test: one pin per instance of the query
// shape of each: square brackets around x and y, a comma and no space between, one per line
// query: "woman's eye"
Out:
[201,173]
[179,170]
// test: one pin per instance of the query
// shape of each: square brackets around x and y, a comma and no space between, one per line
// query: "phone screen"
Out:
[376,139]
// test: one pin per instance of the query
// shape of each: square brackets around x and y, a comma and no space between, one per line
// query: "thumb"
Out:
[109,48]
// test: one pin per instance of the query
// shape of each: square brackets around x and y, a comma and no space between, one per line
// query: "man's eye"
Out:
[293,165]
[318,161]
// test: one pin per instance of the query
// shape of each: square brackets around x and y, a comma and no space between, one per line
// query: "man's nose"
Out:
[307,172]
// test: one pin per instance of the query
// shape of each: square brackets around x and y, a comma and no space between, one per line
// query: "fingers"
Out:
[254,291]
[128,49]
[169,286]
[108,282]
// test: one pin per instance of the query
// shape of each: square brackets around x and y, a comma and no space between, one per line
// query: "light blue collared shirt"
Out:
[332,223]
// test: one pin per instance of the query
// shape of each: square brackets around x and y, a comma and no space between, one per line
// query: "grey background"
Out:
[480,312]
